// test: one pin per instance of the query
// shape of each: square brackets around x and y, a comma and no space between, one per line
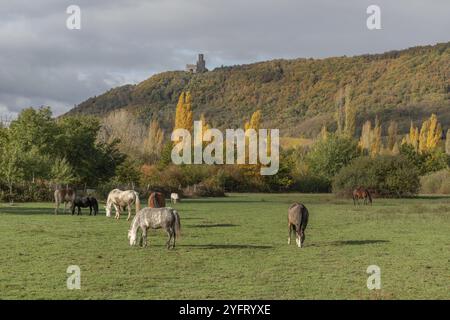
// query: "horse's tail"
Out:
[177,224]
[369,196]
[137,202]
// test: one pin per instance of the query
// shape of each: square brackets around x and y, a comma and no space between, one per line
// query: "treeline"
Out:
[339,160]
[39,153]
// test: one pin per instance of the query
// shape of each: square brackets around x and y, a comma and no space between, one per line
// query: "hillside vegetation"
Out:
[297,96]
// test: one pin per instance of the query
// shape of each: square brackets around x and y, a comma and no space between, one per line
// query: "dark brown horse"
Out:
[298,217]
[361,193]
[156,200]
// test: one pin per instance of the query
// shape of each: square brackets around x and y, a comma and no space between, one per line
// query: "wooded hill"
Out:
[298,96]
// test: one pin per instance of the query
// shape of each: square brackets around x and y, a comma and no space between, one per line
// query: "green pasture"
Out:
[233,248]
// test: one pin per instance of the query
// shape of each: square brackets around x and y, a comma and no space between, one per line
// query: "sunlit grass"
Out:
[233,248]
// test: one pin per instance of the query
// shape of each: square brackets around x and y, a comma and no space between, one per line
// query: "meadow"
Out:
[233,248]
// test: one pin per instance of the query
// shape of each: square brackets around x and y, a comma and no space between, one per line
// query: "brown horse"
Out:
[156,200]
[361,193]
[64,196]
[297,221]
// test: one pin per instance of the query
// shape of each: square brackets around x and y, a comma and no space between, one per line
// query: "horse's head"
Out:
[132,238]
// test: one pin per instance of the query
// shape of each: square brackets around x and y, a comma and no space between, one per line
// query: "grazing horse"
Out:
[156,200]
[362,193]
[122,199]
[155,218]
[64,196]
[85,202]
[174,197]
[297,221]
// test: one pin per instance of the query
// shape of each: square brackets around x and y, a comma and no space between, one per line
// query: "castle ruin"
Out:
[199,67]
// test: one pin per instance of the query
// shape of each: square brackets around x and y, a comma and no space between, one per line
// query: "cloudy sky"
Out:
[42,62]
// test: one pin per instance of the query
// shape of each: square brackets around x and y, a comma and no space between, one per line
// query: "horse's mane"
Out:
[135,224]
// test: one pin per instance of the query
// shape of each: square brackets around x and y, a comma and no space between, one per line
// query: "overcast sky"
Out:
[44,63]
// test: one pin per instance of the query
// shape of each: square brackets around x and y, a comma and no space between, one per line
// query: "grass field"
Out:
[233,248]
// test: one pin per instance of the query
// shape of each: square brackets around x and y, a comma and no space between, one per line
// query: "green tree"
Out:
[11,166]
[61,172]
[328,156]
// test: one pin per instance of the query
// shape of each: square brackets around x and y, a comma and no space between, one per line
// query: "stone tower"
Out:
[199,67]
[201,63]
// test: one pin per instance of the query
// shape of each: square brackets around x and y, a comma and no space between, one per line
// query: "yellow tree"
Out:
[254,122]
[183,115]
[376,139]
[434,133]
[413,138]
[392,135]
[365,141]
[430,134]
[423,136]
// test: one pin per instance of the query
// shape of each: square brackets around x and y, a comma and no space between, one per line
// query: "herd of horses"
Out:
[157,215]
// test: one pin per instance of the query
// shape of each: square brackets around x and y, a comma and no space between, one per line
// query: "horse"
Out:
[361,193]
[85,202]
[122,199]
[64,195]
[155,218]
[156,200]
[297,221]
[174,197]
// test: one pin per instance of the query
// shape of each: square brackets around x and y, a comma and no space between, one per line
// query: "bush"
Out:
[436,183]
[425,162]
[329,155]
[307,183]
[392,176]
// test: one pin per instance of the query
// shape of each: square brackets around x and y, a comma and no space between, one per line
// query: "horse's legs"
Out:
[117,208]
[144,236]
[174,237]
[290,232]
[169,232]
[56,205]
[302,237]
[299,237]
[129,212]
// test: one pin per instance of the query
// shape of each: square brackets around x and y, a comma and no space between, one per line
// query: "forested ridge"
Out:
[298,96]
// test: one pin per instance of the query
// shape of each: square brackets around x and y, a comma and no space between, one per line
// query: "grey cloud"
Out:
[126,41]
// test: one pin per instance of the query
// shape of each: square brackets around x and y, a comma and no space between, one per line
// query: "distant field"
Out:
[233,248]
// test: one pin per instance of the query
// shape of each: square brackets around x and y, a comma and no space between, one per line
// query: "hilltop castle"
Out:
[199,67]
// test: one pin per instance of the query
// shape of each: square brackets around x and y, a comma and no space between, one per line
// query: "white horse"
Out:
[120,199]
[174,197]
